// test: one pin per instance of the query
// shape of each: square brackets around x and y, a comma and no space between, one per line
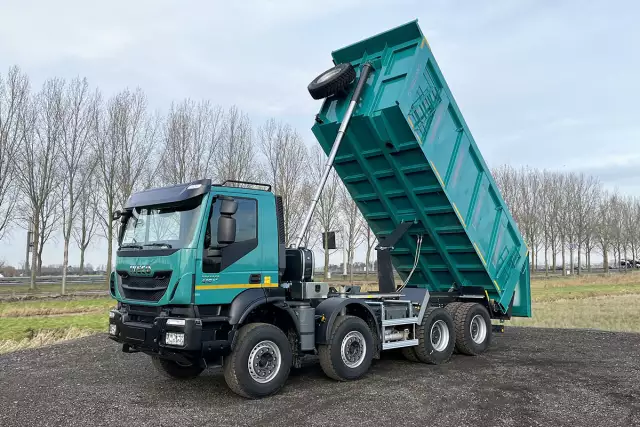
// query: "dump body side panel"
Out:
[408,155]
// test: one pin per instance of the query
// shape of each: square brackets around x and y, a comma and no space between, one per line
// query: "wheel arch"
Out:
[254,305]
[330,309]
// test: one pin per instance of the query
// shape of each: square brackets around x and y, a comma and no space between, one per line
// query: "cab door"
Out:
[240,265]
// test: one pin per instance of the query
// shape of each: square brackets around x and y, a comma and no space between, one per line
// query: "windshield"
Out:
[161,227]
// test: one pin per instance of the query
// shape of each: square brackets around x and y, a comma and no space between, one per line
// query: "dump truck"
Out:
[203,277]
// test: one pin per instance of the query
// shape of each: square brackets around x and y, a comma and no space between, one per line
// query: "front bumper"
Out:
[151,336]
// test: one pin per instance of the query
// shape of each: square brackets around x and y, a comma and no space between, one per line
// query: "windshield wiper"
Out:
[160,245]
[132,246]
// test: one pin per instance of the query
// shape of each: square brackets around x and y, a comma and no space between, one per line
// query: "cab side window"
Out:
[246,234]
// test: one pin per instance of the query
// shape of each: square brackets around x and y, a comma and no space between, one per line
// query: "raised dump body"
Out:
[408,155]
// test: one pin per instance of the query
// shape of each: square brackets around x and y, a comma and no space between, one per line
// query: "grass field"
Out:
[594,301]
[26,324]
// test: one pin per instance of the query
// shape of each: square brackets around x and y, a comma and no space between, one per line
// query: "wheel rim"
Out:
[264,361]
[478,329]
[353,349]
[439,335]
[328,74]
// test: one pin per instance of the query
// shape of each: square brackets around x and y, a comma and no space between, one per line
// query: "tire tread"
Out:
[230,365]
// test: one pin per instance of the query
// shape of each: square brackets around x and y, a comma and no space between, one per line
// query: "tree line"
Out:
[70,156]
[565,218]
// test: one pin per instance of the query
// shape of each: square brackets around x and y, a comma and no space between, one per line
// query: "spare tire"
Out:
[332,81]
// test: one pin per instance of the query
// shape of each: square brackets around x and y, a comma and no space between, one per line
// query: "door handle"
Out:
[255,279]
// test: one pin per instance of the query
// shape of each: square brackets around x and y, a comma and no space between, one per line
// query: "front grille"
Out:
[144,288]
[142,314]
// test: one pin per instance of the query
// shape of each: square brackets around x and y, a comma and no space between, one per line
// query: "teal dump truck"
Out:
[203,277]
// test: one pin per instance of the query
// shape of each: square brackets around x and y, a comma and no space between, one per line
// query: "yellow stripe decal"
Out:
[479,253]
[410,122]
[239,286]
[497,286]
[459,216]
[437,174]
[424,42]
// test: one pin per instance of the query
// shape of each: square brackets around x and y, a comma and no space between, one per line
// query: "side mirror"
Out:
[116,215]
[228,207]
[226,230]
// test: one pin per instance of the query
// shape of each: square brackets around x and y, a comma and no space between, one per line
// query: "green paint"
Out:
[409,155]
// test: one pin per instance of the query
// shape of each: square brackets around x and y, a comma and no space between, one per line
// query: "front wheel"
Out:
[349,352]
[260,362]
[172,369]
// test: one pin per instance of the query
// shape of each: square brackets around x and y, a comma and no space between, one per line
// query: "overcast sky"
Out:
[549,84]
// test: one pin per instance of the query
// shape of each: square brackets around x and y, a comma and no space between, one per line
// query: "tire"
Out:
[332,81]
[452,307]
[436,336]
[347,336]
[470,319]
[172,369]
[265,345]
[410,354]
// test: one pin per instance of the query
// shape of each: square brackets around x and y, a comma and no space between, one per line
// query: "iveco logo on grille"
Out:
[140,269]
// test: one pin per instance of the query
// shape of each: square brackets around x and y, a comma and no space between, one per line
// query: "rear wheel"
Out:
[260,362]
[173,369]
[410,354]
[452,307]
[473,329]
[436,336]
[349,353]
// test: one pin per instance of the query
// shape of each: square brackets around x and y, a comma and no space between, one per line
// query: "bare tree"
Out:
[236,157]
[14,97]
[546,213]
[88,204]
[583,196]
[352,223]
[38,175]
[554,196]
[616,224]
[326,215]
[370,242]
[75,155]
[134,130]
[191,137]
[530,197]
[286,166]
[603,229]
[106,144]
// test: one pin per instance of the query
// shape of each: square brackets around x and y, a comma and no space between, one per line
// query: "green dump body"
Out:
[408,155]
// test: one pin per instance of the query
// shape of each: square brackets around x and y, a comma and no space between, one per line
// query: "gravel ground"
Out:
[530,377]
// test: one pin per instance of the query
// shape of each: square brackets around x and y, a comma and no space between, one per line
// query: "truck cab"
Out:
[191,261]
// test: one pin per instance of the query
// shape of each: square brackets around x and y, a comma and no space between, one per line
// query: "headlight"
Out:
[112,314]
[113,329]
[173,338]
[175,322]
